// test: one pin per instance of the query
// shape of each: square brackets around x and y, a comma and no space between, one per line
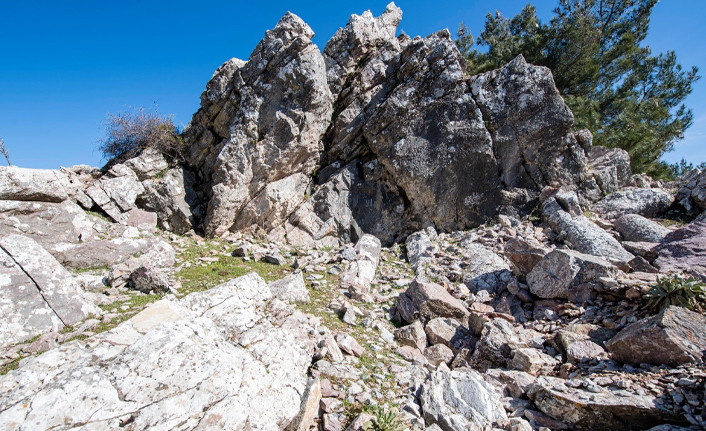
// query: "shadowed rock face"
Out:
[447,149]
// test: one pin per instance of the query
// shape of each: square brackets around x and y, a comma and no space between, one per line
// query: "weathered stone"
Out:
[360,273]
[425,300]
[610,168]
[148,164]
[484,269]
[309,410]
[36,293]
[448,332]
[439,354]
[116,192]
[290,288]
[149,279]
[645,202]
[495,345]
[349,345]
[684,250]
[172,197]
[217,361]
[579,232]
[460,400]
[674,336]
[412,335]
[525,253]
[582,409]
[692,194]
[563,273]
[420,249]
[268,116]
[42,185]
[532,361]
[634,227]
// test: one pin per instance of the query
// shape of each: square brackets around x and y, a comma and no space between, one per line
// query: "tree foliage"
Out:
[130,132]
[615,86]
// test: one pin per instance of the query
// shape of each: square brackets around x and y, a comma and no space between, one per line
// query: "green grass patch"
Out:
[205,275]
[13,365]
[99,215]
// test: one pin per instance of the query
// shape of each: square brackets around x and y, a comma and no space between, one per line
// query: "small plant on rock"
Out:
[4,152]
[385,420]
[676,289]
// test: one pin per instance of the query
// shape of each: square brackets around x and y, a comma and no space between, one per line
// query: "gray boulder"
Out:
[636,228]
[116,192]
[494,348]
[692,194]
[149,279]
[425,300]
[579,232]
[645,202]
[582,410]
[37,294]
[684,250]
[565,273]
[420,249]
[37,185]
[360,273]
[674,336]
[290,288]
[460,400]
[610,168]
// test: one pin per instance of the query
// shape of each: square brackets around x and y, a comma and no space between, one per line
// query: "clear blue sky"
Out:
[65,64]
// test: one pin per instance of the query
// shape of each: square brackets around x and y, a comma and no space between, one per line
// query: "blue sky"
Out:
[65,65]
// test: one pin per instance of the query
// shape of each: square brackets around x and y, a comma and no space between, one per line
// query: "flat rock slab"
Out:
[212,360]
[37,294]
[645,202]
[560,273]
[44,185]
[614,410]
[674,336]
[425,300]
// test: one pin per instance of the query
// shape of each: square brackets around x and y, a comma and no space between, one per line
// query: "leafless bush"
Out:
[4,152]
[130,132]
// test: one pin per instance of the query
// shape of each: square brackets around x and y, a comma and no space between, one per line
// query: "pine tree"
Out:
[628,97]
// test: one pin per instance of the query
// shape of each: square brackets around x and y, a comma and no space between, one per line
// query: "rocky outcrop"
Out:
[692,195]
[256,139]
[609,167]
[672,337]
[37,294]
[199,373]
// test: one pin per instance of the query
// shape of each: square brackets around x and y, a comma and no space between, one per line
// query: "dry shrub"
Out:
[130,132]
[4,152]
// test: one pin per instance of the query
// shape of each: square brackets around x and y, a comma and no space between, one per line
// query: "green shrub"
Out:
[385,420]
[676,289]
[130,132]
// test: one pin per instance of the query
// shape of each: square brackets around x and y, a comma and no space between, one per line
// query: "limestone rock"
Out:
[449,332]
[672,337]
[438,354]
[261,122]
[360,273]
[37,294]
[460,400]
[582,409]
[148,164]
[562,273]
[42,185]
[579,232]
[419,249]
[525,253]
[217,361]
[634,227]
[349,345]
[290,288]
[412,335]
[172,197]
[425,300]
[645,202]
[532,361]
[692,195]
[684,250]
[610,168]
[495,345]
[116,192]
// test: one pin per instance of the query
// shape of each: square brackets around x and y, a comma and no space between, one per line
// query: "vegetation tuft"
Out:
[128,133]
[676,289]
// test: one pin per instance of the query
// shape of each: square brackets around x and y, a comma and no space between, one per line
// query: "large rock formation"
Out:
[400,134]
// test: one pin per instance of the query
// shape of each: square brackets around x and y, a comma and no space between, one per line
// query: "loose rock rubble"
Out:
[357,234]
